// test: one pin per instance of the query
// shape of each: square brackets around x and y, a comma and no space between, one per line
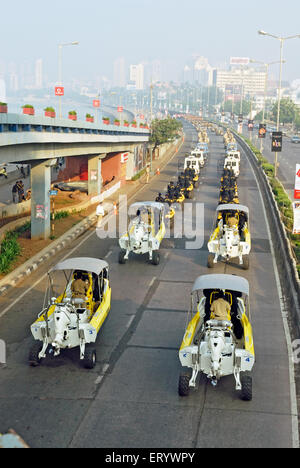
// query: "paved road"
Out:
[130,398]
[288,158]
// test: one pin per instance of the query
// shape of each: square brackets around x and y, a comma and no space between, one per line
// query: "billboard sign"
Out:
[296,210]
[297,183]
[276,142]
[239,60]
[262,131]
[250,125]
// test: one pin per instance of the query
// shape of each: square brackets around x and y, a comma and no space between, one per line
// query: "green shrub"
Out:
[10,250]
[138,175]
[61,215]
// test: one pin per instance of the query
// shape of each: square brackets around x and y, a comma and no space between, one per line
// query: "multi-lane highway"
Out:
[287,159]
[130,398]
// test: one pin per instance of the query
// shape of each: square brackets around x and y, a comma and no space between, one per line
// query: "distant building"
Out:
[39,73]
[136,75]
[2,90]
[13,81]
[247,81]
[119,73]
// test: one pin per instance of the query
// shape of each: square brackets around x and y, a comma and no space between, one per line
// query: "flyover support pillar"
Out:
[94,175]
[40,199]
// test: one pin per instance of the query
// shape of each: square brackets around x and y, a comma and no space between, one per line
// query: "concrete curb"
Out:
[13,278]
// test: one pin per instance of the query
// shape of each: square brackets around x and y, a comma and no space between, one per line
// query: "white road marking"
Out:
[90,234]
[108,254]
[294,408]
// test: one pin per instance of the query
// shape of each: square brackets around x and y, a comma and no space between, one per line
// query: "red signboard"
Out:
[59,91]
[120,109]
[96,103]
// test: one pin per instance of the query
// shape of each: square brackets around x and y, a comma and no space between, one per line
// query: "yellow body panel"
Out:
[190,331]
[103,310]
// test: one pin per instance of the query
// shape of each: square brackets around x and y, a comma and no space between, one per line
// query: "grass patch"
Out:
[10,250]
[61,215]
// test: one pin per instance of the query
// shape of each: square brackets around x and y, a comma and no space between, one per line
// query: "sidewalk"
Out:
[6,185]
[129,189]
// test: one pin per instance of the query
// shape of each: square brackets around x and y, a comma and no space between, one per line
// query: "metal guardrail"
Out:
[289,279]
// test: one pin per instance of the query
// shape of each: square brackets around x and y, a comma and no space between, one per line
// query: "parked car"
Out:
[295,139]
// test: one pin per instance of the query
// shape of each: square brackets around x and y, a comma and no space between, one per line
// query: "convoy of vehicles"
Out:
[213,345]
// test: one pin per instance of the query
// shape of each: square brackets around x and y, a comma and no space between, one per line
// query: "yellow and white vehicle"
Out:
[215,347]
[232,165]
[193,162]
[234,155]
[66,320]
[230,239]
[145,232]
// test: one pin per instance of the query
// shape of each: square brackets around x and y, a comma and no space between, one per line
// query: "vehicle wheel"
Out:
[90,358]
[246,381]
[246,262]
[210,260]
[122,254]
[33,357]
[183,385]
[155,257]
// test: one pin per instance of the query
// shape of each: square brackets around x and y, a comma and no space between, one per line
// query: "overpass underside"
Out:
[43,156]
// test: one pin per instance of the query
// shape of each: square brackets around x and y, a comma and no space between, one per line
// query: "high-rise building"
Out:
[246,80]
[39,73]
[119,74]
[13,81]
[2,90]
[137,75]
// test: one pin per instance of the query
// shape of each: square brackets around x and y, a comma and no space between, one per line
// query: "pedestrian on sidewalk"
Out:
[15,193]
[20,187]
[99,213]
[147,174]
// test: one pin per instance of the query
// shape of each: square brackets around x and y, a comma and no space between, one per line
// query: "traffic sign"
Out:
[59,91]
[96,103]
[53,193]
[120,109]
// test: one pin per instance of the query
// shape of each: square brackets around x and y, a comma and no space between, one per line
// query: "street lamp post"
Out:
[266,65]
[281,40]
[60,47]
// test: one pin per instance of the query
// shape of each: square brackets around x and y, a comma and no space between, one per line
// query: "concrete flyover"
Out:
[40,141]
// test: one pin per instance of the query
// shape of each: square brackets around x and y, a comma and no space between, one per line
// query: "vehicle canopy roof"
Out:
[146,204]
[93,265]
[222,281]
[233,207]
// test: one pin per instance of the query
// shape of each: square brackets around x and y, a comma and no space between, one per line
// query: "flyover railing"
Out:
[14,123]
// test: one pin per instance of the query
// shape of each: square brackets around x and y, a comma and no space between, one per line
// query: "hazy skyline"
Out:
[146,30]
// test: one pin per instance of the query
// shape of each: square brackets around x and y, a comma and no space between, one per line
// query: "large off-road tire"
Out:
[246,393]
[183,385]
[90,358]
[122,254]
[155,257]
[33,357]
[246,262]
[210,260]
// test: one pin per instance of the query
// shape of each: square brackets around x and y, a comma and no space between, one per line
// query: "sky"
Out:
[145,30]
